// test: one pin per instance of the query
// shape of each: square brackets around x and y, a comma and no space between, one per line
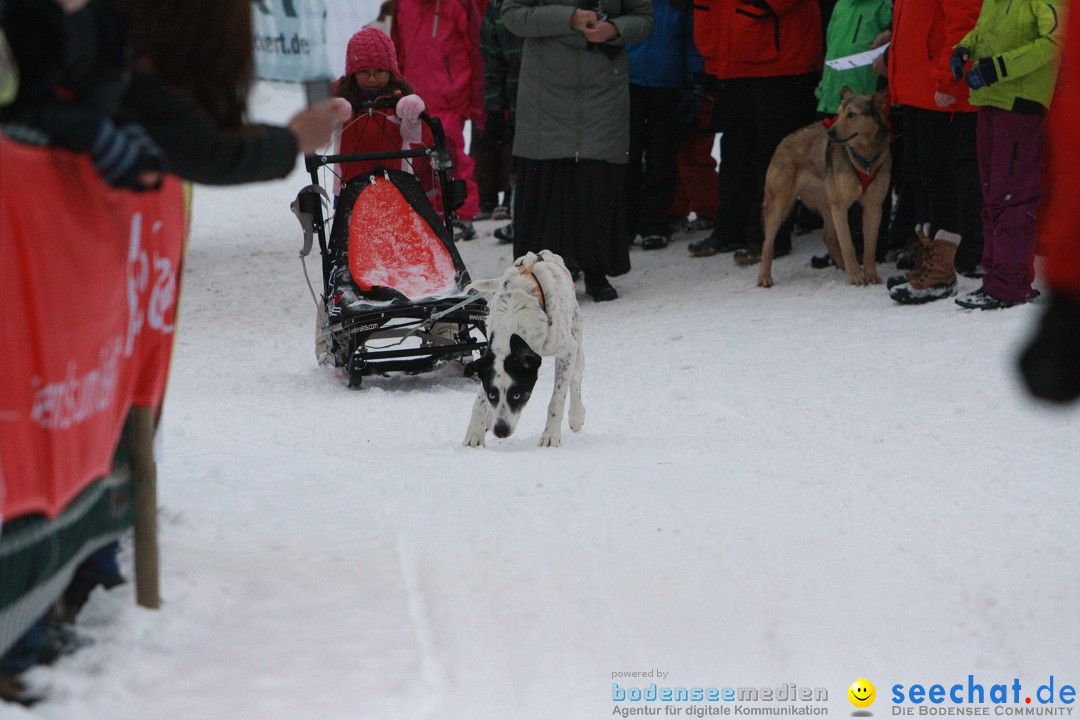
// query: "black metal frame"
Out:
[398,320]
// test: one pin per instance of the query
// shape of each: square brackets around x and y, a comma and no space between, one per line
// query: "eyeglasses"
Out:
[372,73]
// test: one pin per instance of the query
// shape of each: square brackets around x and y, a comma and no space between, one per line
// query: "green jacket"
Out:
[1024,38]
[852,28]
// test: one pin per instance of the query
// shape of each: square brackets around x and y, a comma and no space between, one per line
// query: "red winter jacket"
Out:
[758,38]
[1059,224]
[379,131]
[438,47]
[924,33]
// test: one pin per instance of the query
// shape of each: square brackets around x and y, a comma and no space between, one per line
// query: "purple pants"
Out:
[1010,157]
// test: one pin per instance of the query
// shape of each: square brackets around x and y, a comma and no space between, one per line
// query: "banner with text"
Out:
[290,40]
[89,277]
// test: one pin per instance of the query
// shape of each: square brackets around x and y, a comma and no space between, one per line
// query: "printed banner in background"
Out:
[89,277]
[290,40]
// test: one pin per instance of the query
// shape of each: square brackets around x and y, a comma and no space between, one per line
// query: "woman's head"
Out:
[371,59]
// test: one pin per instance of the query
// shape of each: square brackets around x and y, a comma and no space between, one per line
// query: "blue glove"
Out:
[122,154]
[959,58]
[983,74]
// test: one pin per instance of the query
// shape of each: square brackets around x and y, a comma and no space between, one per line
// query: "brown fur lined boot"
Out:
[915,254]
[935,279]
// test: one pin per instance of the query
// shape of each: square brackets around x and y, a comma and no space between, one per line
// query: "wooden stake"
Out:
[140,432]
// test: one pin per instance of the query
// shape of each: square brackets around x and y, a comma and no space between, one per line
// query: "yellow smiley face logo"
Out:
[862,693]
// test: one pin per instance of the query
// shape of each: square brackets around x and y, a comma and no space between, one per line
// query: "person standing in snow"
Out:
[572,135]
[438,46]
[662,67]
[767,57]
[1013,53]
[940,162]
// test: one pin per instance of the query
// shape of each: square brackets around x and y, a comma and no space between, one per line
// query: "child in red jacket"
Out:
[371,73]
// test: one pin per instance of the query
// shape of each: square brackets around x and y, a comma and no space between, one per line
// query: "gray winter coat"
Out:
[573,102]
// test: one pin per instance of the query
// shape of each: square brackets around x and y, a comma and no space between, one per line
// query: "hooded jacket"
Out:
[438,47]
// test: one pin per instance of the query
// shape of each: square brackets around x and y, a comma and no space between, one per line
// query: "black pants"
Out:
[652,170]
[754,115]
[942,168]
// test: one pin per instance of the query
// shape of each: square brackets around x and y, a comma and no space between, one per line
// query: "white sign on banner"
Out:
[290,40]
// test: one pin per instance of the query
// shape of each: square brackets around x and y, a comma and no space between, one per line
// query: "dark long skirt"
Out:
[574,208]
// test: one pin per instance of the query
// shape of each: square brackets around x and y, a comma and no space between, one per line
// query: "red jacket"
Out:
[1059,224]
[438,47]
[738,38]
[379,131]
[924,33]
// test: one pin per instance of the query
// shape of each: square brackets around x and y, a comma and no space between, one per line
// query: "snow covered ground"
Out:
[806,484]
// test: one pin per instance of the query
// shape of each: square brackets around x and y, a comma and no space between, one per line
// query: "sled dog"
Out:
[534,314]
[830,170]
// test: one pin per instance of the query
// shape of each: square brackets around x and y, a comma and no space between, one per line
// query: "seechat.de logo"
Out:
[862,693]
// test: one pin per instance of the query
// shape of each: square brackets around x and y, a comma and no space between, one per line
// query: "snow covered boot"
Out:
[936,278]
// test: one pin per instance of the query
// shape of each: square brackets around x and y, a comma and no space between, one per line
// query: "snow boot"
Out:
[935,279]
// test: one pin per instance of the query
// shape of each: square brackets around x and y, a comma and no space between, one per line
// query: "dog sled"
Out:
[393,294]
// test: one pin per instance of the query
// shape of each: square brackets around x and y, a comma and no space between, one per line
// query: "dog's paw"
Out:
[871,277]
[764,279]
[474,439]
[551,439]
[855,277]
[577,416]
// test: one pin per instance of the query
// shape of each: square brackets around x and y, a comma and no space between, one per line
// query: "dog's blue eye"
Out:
[515,396]
[493,396]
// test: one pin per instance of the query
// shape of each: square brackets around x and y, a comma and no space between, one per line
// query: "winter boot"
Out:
[936,278]
[463,230]
[913,258]
[912,255]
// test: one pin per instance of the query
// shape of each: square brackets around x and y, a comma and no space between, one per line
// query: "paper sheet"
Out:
[857,60]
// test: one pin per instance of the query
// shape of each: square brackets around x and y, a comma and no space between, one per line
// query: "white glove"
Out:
[409,108]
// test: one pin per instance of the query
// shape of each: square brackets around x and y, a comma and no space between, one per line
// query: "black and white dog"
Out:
[534,314]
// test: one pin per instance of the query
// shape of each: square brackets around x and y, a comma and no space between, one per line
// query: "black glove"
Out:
[983,74]
[959,58]
[495,125]
[122,154]
[1050,365]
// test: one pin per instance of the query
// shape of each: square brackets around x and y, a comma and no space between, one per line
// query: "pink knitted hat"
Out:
[371,49]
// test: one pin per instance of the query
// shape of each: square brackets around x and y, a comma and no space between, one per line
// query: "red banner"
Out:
[89,277]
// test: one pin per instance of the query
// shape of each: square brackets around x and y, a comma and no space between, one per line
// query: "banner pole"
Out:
[140,426]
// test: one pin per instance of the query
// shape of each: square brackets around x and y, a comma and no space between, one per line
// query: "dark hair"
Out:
[349,90]
[213,60]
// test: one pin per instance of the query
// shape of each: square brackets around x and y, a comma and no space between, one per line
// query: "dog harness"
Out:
[539,292]
[862,167]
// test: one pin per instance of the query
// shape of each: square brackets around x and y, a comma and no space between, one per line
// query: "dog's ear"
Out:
[881,103]
[845,92]
[481,363]
[489,285]
[520,349]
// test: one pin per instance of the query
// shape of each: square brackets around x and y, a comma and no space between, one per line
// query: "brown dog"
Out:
[830,170]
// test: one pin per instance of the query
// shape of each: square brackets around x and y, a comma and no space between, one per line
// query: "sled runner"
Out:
[393,291]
